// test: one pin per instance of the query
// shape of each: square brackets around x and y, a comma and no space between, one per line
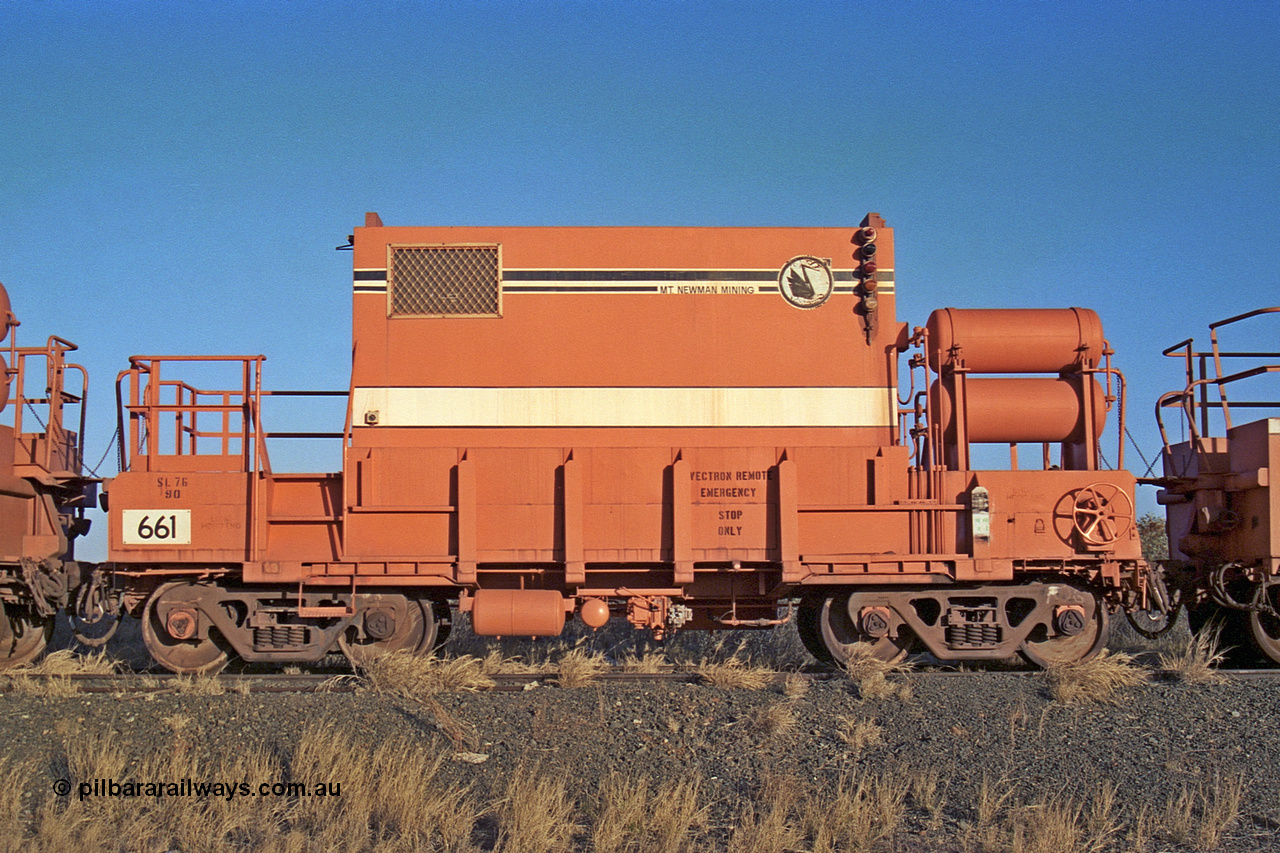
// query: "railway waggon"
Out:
[1223,516]
[686,428]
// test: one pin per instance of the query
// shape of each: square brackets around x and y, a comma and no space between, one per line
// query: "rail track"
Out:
[168,683]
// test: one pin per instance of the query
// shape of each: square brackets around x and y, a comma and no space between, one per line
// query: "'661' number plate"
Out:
[156,526]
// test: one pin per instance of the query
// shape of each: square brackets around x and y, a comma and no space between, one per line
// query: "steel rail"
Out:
[162,683]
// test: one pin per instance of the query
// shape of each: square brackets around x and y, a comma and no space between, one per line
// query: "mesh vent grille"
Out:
[445,280]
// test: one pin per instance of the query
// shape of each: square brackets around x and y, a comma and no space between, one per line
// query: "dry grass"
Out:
[795,685]
[535,814]
[649,662]
[871,674]
[1065,826]
[770,823]
[771,721]
[861,662]
[388,799]
[417,677]
[859,734]
[67,662]
[1200,818]
[734,674]
[49,687]
[1196,659]
[580,668]
[631,819]
[924,784]
[860,814]
[50,677]
[1101,679]
[199,685]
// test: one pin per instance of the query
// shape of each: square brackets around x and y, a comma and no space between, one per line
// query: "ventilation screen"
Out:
[445,281]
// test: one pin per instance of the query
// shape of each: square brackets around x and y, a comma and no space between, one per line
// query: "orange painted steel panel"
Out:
[1015,340]
[218,504]
[676,335]
[1032,517]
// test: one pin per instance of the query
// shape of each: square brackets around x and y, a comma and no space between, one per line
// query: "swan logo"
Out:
[806,282]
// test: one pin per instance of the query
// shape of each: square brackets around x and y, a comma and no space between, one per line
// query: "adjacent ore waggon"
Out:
[680,427]
[1222,511]
[43,495]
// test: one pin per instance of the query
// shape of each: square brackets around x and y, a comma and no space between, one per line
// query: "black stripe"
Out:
[639,275]
[367,289]
[551,288]
[371,275]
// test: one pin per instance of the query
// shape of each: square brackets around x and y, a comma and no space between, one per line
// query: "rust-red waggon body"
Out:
[685,427]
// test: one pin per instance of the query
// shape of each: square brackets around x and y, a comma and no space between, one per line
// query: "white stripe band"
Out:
[624,407]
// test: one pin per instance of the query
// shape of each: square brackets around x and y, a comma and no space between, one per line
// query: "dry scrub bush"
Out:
[1098,680]
[1196,659]
[629,819]
[580,668]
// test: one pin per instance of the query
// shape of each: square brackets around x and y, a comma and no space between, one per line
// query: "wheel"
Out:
[388,622]
[809,627]
[837,622]
[23,638]
[1089,634]
[196,655]
[1265,627]
[1102,513]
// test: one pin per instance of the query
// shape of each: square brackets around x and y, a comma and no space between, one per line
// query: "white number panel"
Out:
[156,526]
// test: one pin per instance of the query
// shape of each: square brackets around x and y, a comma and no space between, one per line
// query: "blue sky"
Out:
[174,177]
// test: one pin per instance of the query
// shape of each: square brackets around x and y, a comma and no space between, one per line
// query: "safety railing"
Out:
[43,406]
[1208,379]
[172,423]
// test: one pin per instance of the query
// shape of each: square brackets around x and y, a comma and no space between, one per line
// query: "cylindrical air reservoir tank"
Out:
[1014,340]
[517,613]
[1022,409]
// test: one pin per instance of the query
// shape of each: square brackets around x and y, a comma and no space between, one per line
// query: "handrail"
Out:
[151,398]
[1194,400]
